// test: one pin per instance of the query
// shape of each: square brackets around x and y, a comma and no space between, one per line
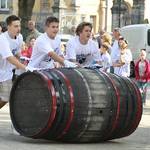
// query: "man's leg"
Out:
[144,86]
[5,88]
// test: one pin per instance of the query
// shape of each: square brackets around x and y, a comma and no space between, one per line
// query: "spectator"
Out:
[11,41]
[0,28]
[47,47]
[3,27]
[115,50]
[107,38]
[82,48]
[32,31]
[142,74]
[105,57]
[122,65]
[25,56]
[72,30]
[101,32]
[30,45]
[24,50]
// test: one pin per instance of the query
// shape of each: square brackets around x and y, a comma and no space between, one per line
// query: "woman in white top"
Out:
[122,65]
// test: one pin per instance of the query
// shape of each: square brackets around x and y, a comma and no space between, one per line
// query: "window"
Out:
[4,4]
[93,21]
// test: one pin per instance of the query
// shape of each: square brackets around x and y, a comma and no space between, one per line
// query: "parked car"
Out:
[138,37]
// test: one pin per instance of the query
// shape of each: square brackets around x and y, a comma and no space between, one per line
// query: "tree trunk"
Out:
[25,13]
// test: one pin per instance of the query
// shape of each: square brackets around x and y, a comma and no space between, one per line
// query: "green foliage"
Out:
[146,21]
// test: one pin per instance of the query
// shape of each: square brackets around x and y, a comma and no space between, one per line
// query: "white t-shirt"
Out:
[125,69]
[106,62]
[115,51]
[9,47]
[75,50]
[43,45]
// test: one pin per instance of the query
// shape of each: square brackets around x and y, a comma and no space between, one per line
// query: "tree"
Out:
[25,13]
[146,21]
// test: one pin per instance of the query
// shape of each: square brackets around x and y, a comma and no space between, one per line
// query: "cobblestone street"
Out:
[138,140]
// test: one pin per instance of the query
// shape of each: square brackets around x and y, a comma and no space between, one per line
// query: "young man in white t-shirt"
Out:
[47,48]
[82,48]
[11,41]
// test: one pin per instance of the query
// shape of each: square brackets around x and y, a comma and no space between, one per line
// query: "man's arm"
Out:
[13,60]
[61,60]
[56,57]
[119,64]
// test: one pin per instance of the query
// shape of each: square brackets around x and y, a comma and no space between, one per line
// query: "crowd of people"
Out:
[43,51]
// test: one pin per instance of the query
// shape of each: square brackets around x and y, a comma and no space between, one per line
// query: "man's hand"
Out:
[29,68]
[69,64]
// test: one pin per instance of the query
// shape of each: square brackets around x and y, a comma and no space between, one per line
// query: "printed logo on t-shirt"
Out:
[81,58]
[47,59]
[14,51]
[56,50]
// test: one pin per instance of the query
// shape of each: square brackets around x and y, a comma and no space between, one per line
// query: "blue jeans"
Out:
[143,89]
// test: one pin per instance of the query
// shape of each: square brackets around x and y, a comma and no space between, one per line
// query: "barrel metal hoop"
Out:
[118,103]
[139,109]
[54,107]
[71,114]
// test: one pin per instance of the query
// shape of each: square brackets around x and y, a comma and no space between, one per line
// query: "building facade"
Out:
[8,7]
[103,14]
[125,12]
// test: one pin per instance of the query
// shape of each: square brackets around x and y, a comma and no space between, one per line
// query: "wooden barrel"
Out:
[75,105]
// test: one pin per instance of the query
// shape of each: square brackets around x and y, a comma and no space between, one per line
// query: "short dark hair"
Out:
[11,18]
[50,20]
[122,38]
[143,49]
[3,26]
[81,26]
[116,30]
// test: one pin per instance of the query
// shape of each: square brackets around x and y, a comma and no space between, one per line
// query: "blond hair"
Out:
[107,38]
[105,45]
